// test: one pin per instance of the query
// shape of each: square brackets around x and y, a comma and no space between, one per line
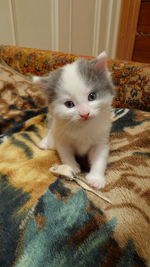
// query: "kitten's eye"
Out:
[69,104]
[92,96]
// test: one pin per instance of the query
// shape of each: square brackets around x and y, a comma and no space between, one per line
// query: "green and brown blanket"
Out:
[46,221]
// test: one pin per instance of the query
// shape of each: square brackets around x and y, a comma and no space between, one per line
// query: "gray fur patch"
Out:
[50,84]
[98,80]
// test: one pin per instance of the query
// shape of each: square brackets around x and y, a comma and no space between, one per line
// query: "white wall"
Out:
[84,27]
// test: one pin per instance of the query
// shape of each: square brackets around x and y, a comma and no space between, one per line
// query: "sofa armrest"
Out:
[131,79]
[30,61]
[132,83]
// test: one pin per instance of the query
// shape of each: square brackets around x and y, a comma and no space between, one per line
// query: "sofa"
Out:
[46,220]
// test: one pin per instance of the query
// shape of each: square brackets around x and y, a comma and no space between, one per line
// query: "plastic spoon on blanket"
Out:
[66,171]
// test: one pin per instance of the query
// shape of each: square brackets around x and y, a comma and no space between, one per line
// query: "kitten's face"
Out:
[79,91]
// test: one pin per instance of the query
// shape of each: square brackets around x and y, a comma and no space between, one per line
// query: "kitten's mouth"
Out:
[85,119]
[85,116]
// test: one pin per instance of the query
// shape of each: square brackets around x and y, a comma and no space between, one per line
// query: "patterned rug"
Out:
[48,221]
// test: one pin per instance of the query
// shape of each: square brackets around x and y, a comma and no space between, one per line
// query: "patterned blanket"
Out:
[48,221]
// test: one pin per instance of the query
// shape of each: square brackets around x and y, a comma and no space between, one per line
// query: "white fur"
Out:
[73,83]
[102,55]
[70,135]
[75,89]
[48,141]
[35,79]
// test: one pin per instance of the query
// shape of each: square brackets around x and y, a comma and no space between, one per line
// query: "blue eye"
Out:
[69,104]
[92,96]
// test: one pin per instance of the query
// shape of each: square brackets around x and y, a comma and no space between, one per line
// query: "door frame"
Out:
[129,14]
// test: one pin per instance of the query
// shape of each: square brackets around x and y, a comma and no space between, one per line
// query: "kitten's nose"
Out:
[85,116]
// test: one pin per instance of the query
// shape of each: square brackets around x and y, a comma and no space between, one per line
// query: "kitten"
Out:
[79,97]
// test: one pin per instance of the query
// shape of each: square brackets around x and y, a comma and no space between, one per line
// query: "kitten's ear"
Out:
[42,82]
[48,84]
[101,61]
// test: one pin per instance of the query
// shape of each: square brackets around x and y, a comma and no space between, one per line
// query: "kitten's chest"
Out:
[82,144]
[81,139]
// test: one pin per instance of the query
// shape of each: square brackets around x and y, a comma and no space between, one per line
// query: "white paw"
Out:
[97,181]
[76,169]
[72,164]
[44,144]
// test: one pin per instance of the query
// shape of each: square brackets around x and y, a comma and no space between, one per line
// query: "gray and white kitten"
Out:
[79,98]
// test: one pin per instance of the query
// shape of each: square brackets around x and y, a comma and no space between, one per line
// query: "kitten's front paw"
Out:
[97,181]
[45,144]
[76,169]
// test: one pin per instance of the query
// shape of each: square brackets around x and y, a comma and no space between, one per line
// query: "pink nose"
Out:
[85,116]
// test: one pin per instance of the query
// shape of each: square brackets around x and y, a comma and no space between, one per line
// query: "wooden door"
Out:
[141,50]
[134,31]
